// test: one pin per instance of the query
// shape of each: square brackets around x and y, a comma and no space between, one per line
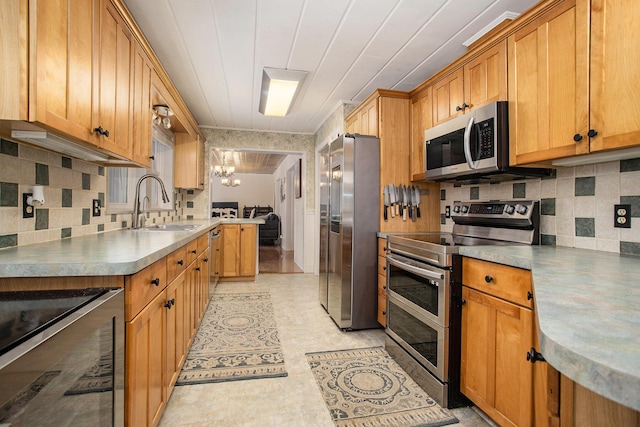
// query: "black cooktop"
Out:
[25,314]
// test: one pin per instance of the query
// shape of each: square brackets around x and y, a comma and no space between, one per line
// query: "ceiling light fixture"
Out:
[223,171]
[228,182]
[161,114]
[279,90]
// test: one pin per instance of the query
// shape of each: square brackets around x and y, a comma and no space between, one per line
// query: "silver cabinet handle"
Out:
[467,144]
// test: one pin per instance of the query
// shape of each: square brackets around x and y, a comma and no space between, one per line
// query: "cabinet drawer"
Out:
[143,287]
[203,243]
[509,283]
[176,263]
[192,251]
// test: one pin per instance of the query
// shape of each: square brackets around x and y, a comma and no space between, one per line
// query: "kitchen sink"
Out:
[171,227]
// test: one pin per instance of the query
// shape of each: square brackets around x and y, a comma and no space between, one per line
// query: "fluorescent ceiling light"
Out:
[55,143]
[279,90]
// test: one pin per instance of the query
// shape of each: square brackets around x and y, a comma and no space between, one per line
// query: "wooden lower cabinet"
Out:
[159,335]
[495,374]
[382,281]
[239,252]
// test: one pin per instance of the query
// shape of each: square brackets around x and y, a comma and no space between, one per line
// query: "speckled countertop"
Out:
[588,313]
[114,253]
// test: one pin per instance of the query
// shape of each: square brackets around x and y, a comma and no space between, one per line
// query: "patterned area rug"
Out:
[366,387]
[237,340]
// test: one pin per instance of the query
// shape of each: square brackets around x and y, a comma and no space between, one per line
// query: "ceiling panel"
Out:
[215,50]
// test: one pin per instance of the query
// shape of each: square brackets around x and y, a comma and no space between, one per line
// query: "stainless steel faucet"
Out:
[136,199]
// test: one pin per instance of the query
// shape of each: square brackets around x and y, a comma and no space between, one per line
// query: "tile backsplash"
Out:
[576,206]
[70,186]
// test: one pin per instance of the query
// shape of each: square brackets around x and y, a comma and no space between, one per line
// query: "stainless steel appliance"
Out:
[62,358]
[473,147]
[349,219]
[424,290]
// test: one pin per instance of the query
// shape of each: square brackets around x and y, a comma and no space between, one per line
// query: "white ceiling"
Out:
[215,50]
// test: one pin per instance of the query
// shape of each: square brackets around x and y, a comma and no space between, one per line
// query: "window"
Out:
[121,182]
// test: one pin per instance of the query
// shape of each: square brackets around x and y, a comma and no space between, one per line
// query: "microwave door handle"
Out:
[415,270]
[467,144]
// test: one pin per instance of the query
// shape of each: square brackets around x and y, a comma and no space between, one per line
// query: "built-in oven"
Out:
[62,358]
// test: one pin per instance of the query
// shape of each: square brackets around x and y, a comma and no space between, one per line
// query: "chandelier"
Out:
[228,182]
[224,171]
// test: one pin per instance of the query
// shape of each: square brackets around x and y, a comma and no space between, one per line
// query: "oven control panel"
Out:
[496,209]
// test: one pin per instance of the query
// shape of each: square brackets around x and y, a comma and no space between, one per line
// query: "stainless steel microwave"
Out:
[473,148]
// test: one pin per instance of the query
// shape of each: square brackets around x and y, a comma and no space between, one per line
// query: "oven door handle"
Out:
[416,270]
[467,145]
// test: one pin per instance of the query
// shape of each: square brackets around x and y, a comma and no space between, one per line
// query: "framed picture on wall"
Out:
[282,195]
[297,183]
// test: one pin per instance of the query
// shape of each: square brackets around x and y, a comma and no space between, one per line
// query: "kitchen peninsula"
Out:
[587,321]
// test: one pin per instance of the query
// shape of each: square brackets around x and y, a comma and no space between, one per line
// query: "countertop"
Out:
[588,313]
[114,253]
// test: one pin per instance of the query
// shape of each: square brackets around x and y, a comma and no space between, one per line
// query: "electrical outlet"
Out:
[95,207]
[27,210]
[447,211]
[622,216]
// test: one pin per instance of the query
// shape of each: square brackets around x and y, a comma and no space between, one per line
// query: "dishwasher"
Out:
[214,257]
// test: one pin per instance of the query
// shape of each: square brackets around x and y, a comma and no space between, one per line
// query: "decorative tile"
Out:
[86,181]
[190,192]
[443,194]
[443,219]
[42,174]
[585,227]
[67,198]
[65,232]
[630,248]
[519,190]
[629,165]
[42,219]
[189,216]
[585,186]
[8,240]
[101,170]
[548,207]
[67,163]
[101,198]
[634,201]
[9,148]
[100,228]
[8,194]
[114,217]
[189,204]
[86,216]
[547,239]
[474,193]
[123,224]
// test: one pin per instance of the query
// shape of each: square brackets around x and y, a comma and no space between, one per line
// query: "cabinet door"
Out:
[142,70]
[62,85]
[421,120]
[495,375]
[448,97]
[115,100]
[548,85]
[230,250]
[248,248]
[485,77]
[189,162]
[176,348]
[369,119]
[145,364]
[615,43]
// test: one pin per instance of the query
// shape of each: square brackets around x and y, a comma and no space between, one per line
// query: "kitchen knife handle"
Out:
[418,211]
[404,213]
[386,218]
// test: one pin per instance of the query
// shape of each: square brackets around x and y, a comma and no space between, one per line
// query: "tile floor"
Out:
[294,400]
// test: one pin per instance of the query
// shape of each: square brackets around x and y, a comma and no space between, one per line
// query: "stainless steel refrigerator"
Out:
[349,221]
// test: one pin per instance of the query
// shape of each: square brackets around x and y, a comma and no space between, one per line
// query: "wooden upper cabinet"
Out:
[141,85]
[188,169]
[61,82]
[615,74]
[364,120]
[421,120]
[115,102]
[448,97]
[548,87]
[485,77]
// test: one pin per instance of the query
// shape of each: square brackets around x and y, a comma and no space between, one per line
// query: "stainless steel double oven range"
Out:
[424,289]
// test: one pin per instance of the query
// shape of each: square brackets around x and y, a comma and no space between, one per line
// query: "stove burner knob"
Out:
[521,209]
[465,209]
[509,209]
[456,209]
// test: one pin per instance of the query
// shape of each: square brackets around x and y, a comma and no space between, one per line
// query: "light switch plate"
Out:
[95,207]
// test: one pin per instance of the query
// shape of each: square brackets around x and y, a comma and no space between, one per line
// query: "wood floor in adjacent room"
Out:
[273,259]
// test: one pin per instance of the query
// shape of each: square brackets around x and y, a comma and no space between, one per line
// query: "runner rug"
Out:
[366,387]
[237,340]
